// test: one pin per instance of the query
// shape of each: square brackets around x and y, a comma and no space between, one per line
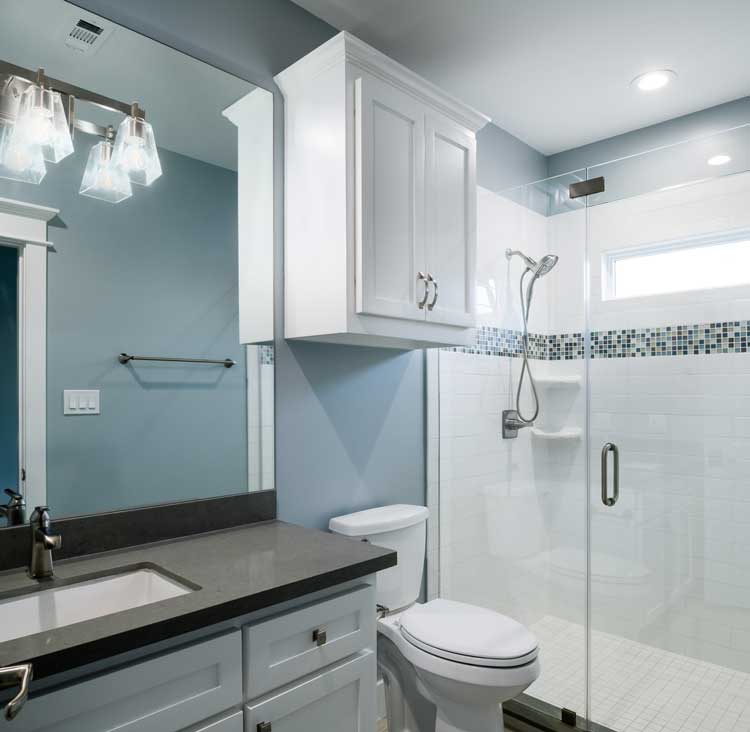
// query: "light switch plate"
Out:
[81,401]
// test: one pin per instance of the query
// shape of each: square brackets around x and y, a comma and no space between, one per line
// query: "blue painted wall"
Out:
[156,274]
[8,369]
[699,124]
[350,429]
[503,161]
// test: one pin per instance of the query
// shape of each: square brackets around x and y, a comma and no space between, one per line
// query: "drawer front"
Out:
[290,646]
[340,699]
[163,694]
[232,723]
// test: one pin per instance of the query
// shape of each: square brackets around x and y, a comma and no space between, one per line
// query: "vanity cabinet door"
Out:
[167,693]
[389,200]
[341,699]
[285,648]
[450,215]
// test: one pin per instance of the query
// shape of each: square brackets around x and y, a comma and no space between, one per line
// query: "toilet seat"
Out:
[468,634]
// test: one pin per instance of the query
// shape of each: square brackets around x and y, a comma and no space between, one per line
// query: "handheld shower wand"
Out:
[514,419]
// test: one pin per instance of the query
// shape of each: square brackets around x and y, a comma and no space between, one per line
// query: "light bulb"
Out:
[103,179]
[40,126]
[19,160]
[134,158]
[41,121]
[135,150]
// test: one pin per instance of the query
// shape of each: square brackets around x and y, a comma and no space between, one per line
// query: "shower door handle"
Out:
[606,499]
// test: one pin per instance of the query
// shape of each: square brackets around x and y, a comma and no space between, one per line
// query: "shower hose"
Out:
[525,368]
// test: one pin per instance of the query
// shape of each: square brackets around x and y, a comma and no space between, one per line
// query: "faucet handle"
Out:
[20,676]
[50,541]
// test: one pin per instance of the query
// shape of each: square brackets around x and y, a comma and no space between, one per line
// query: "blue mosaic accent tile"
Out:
[672,340]
[564,347]
[266,355]
[502,342]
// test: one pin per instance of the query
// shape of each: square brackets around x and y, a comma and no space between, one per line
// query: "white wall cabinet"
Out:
[312,667]
[380,202]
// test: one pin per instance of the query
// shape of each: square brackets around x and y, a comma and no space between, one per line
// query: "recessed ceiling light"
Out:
[653,80]
[719,160]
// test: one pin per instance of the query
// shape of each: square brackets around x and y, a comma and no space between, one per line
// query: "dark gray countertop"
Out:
[239,570]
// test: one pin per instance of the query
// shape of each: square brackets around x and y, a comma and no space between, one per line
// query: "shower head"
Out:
[538,269]
[546,263]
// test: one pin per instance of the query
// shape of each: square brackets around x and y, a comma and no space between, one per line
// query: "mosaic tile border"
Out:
[672,340]
[267,357]
[501,342]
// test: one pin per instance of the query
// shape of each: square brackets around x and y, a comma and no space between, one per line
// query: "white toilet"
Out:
[447,666]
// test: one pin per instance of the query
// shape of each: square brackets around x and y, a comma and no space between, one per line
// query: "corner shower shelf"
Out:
[558,382]
[566,434]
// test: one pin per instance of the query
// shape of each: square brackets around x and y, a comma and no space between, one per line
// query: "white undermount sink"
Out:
[46,609]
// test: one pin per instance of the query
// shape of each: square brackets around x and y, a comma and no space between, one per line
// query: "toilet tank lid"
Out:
[378,520]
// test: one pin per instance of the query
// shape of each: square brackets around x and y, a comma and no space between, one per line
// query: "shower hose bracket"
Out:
[512,423]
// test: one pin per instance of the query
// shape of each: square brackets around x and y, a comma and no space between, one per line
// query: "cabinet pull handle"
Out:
[422,277]
[320,637]
[264,727]
[16,676]
[434,282]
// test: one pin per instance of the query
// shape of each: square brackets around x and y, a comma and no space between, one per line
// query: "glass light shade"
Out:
[135,151]
[19,160]
[102,179]
[42,121]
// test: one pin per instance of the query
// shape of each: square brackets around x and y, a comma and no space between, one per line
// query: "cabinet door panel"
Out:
[341,699]
[283,648]
[162,694]
[389,209]
[451,221]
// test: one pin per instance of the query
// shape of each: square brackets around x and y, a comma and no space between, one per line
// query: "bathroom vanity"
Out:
[269,626]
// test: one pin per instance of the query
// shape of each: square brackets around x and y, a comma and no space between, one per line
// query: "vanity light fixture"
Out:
[135,149]
[721,159]
[37,122]
[41,121]
[103,179]
[18,160]
[654,80]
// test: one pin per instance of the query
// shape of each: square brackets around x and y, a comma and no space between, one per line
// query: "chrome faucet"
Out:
[15,510]
[43,541]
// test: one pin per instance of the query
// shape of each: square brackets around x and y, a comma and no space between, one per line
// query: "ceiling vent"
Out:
[87,37]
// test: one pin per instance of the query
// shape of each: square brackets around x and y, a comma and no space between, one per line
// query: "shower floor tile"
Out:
[637,687]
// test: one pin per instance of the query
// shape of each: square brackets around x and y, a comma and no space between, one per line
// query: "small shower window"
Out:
[698,263]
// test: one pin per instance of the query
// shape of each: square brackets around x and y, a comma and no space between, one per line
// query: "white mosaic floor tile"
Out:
[637,687]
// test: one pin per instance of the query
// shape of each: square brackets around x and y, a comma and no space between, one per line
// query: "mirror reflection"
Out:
[131,370]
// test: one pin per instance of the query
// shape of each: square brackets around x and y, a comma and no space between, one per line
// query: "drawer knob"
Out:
[319,638]
[264,727]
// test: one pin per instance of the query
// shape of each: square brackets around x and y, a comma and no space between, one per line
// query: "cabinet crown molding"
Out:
[346,48]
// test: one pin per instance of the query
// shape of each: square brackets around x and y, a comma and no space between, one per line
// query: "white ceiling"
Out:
[183,98]
[556,74]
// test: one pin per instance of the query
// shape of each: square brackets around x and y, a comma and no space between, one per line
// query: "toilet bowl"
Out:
[447,666]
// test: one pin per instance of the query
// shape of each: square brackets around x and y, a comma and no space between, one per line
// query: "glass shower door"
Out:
[668,253]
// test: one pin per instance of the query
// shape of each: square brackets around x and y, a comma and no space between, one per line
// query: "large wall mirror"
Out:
[136,218]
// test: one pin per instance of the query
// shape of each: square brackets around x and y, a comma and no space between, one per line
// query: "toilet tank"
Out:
[402,528]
